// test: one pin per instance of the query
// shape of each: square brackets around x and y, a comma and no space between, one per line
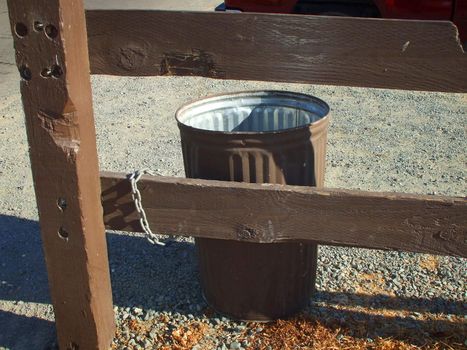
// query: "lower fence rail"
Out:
[267,213]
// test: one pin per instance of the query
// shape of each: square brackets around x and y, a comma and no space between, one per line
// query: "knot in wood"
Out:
[132,57]
[246,233]
[447,234]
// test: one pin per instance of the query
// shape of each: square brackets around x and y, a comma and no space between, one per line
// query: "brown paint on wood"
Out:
[56,91]
[269,213]
[398,54]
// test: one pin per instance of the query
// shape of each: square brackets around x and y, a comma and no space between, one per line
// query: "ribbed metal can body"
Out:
[260,137]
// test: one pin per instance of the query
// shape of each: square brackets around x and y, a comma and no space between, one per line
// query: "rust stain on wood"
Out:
[196,62]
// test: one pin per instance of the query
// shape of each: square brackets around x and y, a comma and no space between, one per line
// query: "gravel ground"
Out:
[379,140]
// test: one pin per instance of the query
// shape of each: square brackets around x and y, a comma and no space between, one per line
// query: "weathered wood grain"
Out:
[398,54]
[51,52]
[274,213]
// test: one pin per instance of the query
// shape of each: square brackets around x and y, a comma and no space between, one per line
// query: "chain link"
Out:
[136,195]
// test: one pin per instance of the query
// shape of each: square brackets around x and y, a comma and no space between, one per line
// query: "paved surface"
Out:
[379,140]
[8,70]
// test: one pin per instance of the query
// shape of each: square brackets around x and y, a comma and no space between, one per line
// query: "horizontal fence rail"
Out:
[267,213]
[397,54]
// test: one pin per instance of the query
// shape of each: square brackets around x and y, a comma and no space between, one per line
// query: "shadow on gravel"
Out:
[166,279]
[154,277]
[23,274]
[381,301]
[20,332]
[371,316]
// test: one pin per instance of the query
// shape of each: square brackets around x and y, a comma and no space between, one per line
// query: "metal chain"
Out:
[136,195]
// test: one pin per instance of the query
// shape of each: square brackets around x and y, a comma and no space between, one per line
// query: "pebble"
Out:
[153,334]
[235,346]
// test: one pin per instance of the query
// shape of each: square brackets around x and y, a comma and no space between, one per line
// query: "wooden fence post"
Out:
[52,57]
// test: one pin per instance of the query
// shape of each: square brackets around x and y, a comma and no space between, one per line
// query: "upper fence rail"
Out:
[395,54]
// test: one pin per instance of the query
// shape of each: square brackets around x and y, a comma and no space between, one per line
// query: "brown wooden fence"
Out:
[51,41]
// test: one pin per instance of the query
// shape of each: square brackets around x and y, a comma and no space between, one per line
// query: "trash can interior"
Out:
[253,112]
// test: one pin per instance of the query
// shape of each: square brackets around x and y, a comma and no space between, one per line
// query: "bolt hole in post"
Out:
[61,203]
[51,31]
[54,71]
[63,234]
[25,73]
[21,30]
[46,72]
[38,26]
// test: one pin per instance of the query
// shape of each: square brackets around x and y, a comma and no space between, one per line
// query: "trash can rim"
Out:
[251,93]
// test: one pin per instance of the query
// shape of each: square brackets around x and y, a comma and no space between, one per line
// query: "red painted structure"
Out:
[453,10]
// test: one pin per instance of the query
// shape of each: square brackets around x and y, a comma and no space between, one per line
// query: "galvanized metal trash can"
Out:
[263,137]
